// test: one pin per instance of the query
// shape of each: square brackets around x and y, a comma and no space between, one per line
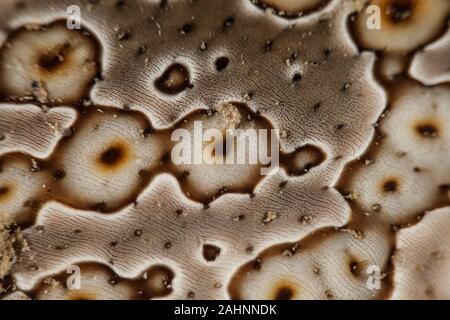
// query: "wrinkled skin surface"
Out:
[89,184]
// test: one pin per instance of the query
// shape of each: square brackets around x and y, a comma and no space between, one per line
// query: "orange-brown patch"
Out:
[54,59]
[285,290]
[427,129]
[5,192]
[113,157]
[399,11]
[390,185]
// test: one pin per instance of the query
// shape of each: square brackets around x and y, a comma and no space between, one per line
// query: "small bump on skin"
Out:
[58,174]
[228,22]
[187,28]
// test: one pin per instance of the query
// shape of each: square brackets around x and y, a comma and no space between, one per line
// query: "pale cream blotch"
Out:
[432,64]
[110,156]
[23,187]
[422,259]
[329,264]
[404,173]
[218,169]
[48,64]
[405,25]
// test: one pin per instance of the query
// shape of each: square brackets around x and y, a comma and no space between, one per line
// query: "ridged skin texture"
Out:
[87,183]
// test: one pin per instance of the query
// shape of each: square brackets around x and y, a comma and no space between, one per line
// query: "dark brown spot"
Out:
[163,4]
[52,60]
[296,78]
[429,292]
[268,45]
[228,22]
[427,130]
[174,80]
[210,252]
[222,63]
[120,4]
[112,156]
[390,185]
[400,10]
[4,191]
[257,264]
[58,174]
[142,49]
[355,268]
[187,28]
[123,35]
[284,293]
[21,5]
[101,207]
